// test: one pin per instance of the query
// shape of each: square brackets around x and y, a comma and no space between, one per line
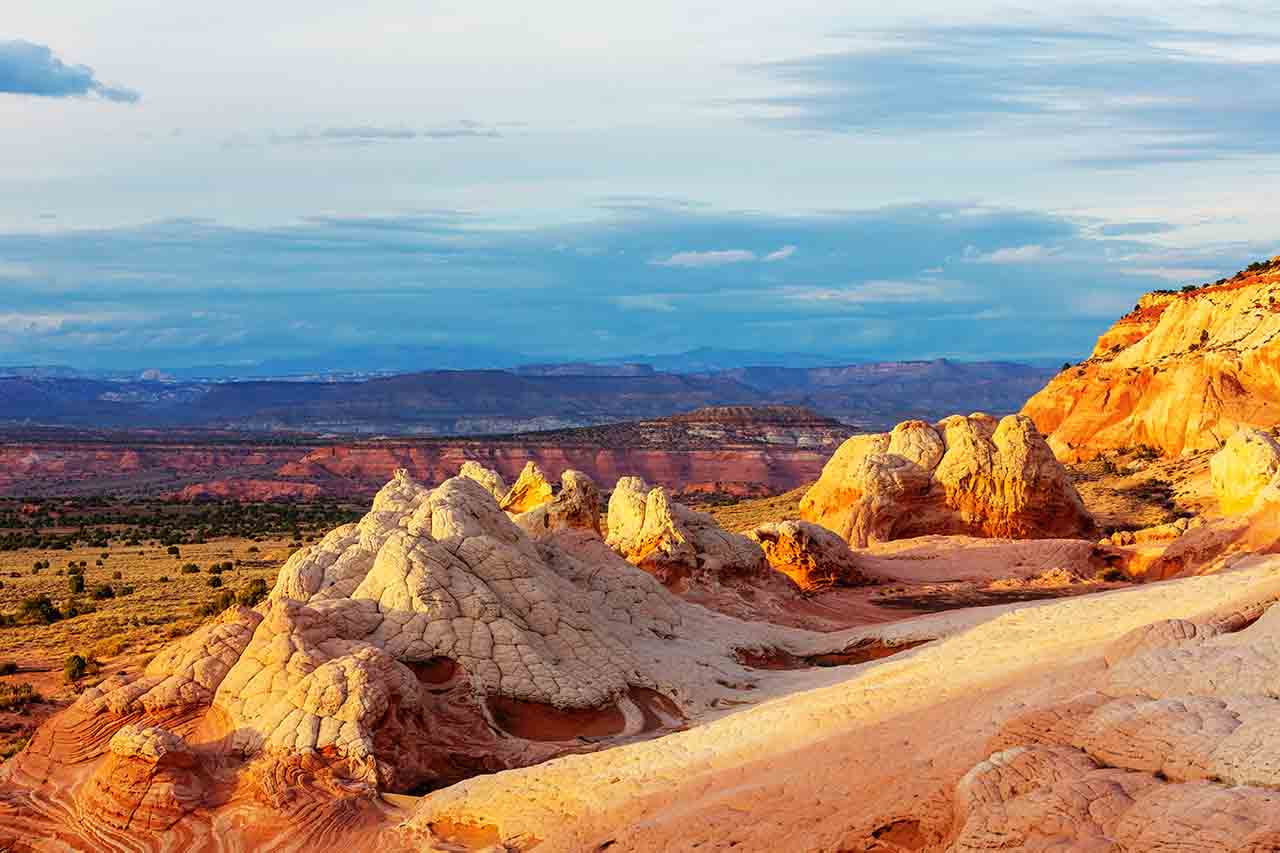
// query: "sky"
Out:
[473,183]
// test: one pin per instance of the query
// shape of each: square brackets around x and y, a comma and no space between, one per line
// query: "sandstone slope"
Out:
[1182,371]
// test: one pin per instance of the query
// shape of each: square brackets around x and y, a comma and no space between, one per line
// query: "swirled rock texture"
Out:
[964,475]
[1137,720]
[1245,465]
[431,641]
[812,556]
[1182,371]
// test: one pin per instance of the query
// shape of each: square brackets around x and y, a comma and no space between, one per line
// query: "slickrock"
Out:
[1245,465]
[530,490]
[965,475]
[812,556]
[431,641]
[1181,372]
[487,477]
[577,505]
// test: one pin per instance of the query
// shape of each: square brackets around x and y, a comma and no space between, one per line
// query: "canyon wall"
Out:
[1181,372]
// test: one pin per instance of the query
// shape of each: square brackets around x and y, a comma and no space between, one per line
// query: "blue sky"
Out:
[563,180]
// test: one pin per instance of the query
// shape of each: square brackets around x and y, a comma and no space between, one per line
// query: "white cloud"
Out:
[645,302]
[1009,254]
[723,257]
[717,258]
[871,292]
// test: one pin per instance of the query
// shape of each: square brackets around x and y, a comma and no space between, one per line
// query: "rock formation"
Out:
[1245,465]
[812,556]
[531,489]
[576,505]
[1182,371]
[487,477]
[675,543]
[1138,720]
[965,475]
[431,641]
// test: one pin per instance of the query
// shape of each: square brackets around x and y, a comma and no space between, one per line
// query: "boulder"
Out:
[965,475]
[1246,464]
[812,556]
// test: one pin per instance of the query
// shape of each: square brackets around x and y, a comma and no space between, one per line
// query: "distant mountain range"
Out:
[536,397]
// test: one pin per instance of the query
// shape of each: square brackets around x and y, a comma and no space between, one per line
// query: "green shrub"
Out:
[215,582]
[75,583]
[252,593]
[74,668]
[40,608]
[103,591]
[190,569]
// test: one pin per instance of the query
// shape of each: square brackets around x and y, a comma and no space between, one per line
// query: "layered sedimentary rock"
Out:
[812,556]
[1134,721]
[490,479]
[1182,371]
[431,641]
[965,475]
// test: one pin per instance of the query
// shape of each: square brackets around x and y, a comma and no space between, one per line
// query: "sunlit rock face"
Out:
[964,475]
[812,556]
[1181,372]
[433,640]
[1243,468]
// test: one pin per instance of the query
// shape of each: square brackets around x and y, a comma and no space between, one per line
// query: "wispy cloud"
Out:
[27,68]
[369,134]
[1009,254]
[723,257]
[1159,94]
[870,292]
[659,302]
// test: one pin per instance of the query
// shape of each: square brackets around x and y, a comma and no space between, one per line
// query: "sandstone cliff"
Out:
[1182,371]
[965,475]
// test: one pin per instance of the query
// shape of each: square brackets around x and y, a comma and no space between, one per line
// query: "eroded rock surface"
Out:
[530,490]
[1181,372]
[965,475]
[431,641]
[675,543]
[812,556]
[1245,465]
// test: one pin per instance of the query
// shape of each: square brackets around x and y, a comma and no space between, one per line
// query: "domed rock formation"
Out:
[966,475]
[431,641]
[487,477]
[675,543]
[531,489]
[812,556]
[577,505]
[1182,371]
[1126,722]
[1245,465]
